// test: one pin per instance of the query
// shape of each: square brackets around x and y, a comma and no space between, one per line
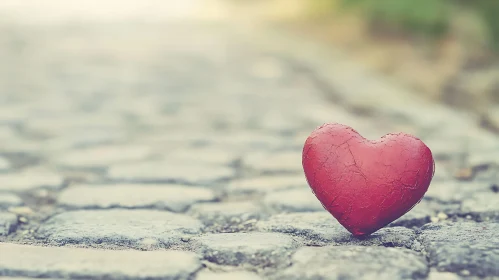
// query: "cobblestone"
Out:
[294,200]
[319,228]
[169,171]
[118,227]
[354,262]
[103,156]
[265,184]
[8,223]
[452,191]
[239,275]
[227,216]
[95,264]
[242,249]
[30,179]
[180,135]
[424,212]
[289,161]
[483,204]
[8,200]
[463,246]
[4,164]
[176,198]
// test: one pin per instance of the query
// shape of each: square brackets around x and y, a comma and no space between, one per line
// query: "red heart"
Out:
[366,184]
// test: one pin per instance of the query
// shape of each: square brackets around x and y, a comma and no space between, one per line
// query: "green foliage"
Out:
[489,12]
[428,17]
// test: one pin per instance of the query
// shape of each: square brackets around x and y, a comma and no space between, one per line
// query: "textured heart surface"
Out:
[366,184]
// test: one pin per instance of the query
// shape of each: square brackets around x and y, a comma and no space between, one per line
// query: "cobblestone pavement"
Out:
[173,151]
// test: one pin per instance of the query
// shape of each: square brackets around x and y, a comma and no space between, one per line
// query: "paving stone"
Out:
[61,124]
[102,156]
[210,155]
[239,139]
[316,226]
[4,163]
[235,275]
[30,179]
[289,161]
[484,204]
[424,212]
[23,278]
[240,209]
[118,227]
[453,191]
[9,200]
[355,262]
[7,132]
[435,275]
[83,140]
[294,200]
[319,228]
[463,246]
[176,198]
[227,216]
[57,262]
[168,171]
[8,223]
[265,184]
[254,248]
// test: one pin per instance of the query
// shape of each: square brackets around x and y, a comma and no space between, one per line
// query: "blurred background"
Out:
[70,71]
[444,49]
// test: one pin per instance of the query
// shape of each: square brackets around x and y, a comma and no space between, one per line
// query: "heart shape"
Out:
[366,184]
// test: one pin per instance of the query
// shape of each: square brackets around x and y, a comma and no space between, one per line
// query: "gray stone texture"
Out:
[463,246]
[151,130]
[30,179]
[8,223]
[126,228]
[242,249]
[8,200]
[355,262]
[236,275]
[33,261]
[169,171]
[176,198]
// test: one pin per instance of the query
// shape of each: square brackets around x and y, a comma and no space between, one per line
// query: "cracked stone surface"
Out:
[172,150]
[257,249]
[466,248]
[227,216]
[209,211]
[95,264]
[355,262]
[118,227]
[314,226]
[172,197]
